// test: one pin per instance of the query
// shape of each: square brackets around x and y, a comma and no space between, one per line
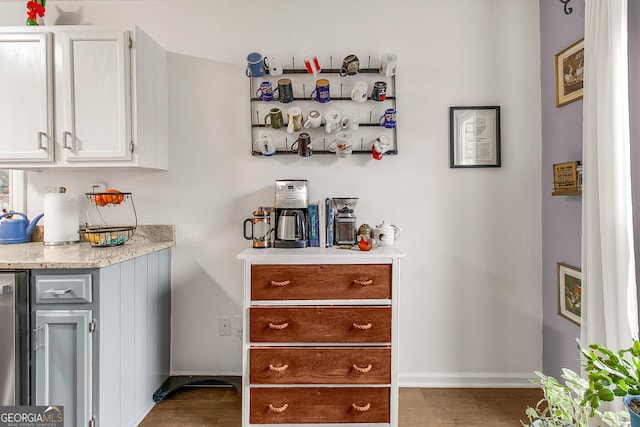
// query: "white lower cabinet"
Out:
[101,339]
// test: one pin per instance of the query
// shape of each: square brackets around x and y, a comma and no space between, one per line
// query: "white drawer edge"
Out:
[327,302]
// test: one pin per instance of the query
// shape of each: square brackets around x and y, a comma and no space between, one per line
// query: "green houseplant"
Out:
[613,374]
[565,405]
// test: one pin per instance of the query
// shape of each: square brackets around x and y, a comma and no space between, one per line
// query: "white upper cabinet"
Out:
[104,84]
[26,100]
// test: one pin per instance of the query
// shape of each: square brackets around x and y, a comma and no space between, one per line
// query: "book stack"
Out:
[321,215]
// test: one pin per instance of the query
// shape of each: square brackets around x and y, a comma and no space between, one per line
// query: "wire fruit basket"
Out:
[106,235]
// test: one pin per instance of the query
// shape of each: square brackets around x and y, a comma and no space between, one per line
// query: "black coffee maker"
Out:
[291,210]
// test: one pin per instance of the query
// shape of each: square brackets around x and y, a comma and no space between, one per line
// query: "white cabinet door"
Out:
[63,367]
[26,98]
[95,92]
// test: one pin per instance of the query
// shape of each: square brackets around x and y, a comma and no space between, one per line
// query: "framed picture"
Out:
[474,137]
[569,73]
[569,292]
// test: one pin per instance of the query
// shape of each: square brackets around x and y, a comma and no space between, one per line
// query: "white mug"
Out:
[342,145]
[265,145]
[312,65]
[332,121]
[274,65]
[380,146]
[294,119]
[388,64]
[351,121]
[314,119]
[360,91]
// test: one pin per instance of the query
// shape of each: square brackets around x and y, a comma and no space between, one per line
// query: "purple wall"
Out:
[562,141]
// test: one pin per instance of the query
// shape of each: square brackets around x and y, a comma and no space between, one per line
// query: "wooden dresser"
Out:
[320,337]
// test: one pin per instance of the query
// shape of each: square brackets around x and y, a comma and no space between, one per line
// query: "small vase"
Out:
[635,418]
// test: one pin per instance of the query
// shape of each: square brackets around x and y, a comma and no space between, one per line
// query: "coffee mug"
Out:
[342,145]
[264,145]
[351,121]
[388,64]
[294,119]
[273,64]
[284,91]
[350,66]
[312,65]
[303,145]
[255,65]
[332,121]
[275,119]
[380,146]
[265,93]
[388,119]
[359,91]
[321,93]
[379,92]
[314,120]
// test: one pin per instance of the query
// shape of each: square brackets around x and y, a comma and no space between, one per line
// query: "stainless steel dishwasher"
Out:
[14,338]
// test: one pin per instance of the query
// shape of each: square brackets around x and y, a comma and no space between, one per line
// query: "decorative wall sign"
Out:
[474,136]
[569,73]
[569,292]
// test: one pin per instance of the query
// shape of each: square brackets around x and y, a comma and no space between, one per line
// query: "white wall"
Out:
[470,303]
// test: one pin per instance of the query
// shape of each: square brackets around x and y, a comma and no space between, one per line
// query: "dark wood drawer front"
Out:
[347,324]
[319,405]
[320,281]
[320,365]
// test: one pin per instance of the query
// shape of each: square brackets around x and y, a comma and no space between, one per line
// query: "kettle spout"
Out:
[32,224]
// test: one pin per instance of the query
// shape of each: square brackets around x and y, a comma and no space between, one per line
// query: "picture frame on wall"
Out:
[474,137]
[569,66]
[570,292]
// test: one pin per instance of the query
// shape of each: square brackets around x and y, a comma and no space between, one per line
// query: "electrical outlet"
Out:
[224,326]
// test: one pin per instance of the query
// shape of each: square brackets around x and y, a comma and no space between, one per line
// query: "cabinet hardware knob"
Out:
[278,410]
[280,368]
[280,284]
[361,408]
[362,327]
[278,327]
[362,370]
[363,282]
[41,136]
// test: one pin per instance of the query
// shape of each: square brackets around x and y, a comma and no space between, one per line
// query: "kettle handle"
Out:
[397,232]
[13,213]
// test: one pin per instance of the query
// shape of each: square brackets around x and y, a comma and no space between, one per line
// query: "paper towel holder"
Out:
[64,218]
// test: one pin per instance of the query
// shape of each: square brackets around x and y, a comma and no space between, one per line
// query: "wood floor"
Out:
[419,407]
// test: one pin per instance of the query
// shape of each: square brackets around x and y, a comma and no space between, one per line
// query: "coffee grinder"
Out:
[291,213]
[345,222]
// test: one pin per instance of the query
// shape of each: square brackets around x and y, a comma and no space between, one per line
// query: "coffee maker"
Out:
[291,215]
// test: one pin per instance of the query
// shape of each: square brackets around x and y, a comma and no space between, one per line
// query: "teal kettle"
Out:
[18,230]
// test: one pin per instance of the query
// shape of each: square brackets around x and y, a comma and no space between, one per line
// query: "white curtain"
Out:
[609,307]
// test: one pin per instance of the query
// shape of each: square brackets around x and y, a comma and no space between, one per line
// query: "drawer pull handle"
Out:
[280,284]
[361,408]
[362,327]
[365,282]
[278,410]
[57,291]
[362,370]
[280,368]
[278,327]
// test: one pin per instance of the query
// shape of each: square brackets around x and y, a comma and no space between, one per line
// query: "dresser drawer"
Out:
[320,281]
[319,405]
[320,365]
[346,324]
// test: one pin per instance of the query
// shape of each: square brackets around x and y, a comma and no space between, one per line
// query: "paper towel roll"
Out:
[61,218]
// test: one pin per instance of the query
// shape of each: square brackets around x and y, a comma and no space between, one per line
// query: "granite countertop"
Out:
[35,255]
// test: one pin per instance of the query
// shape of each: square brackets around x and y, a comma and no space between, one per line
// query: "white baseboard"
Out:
[466,380]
